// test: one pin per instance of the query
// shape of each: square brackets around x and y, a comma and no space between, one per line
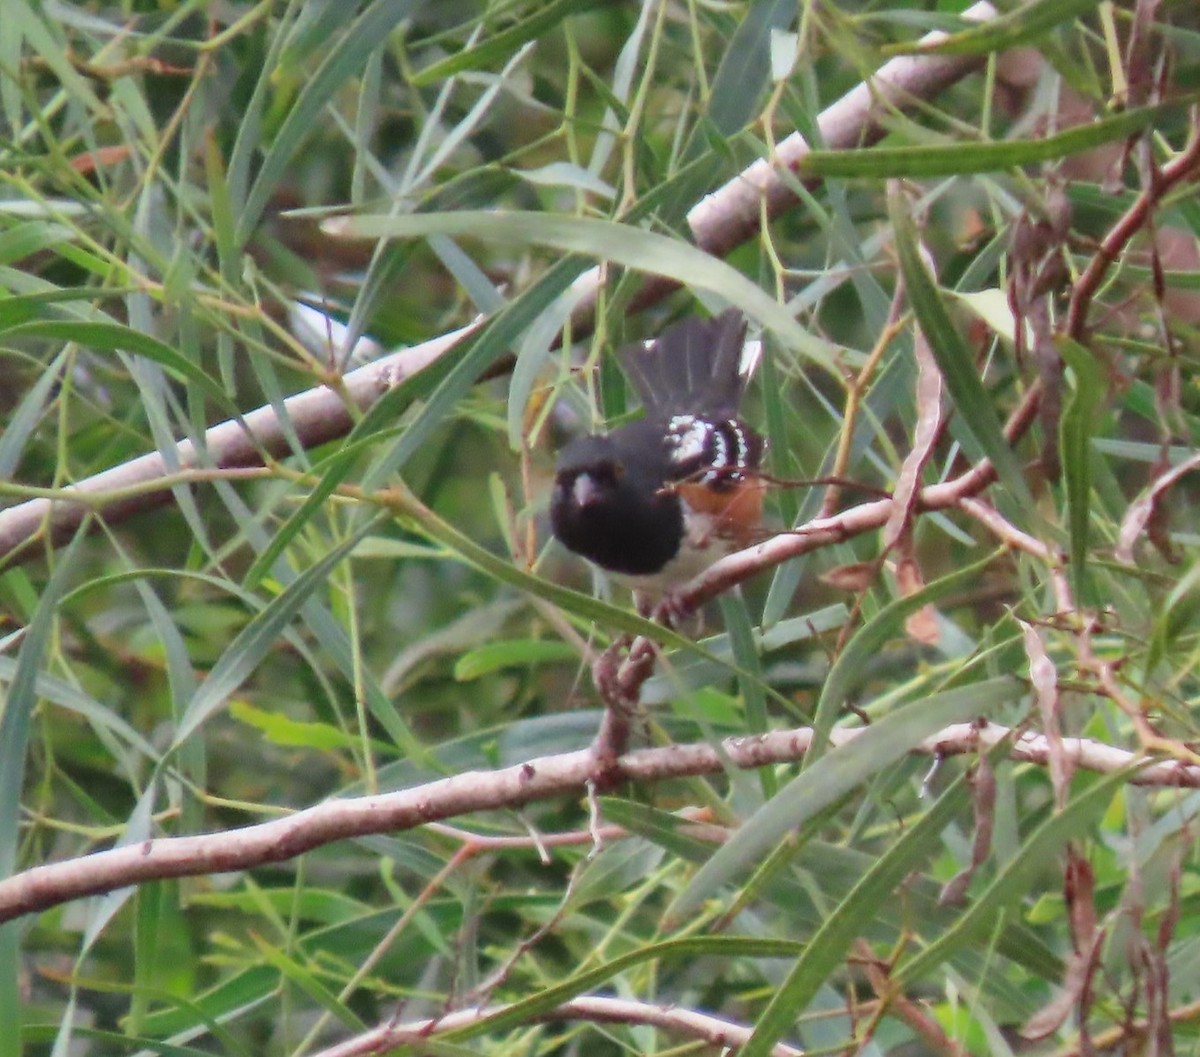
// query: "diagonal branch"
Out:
[1183,167]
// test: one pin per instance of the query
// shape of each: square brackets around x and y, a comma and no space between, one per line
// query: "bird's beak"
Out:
[584,491]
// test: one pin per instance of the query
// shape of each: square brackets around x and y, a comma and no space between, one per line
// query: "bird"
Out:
[657,500]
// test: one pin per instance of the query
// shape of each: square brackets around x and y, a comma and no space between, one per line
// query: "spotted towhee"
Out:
[656,501]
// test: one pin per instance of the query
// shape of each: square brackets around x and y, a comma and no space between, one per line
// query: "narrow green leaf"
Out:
[602,614]
[75,301]
[181,678]
[33,236]
[661,827]
[236,994]
[308,982]
[1077,427]
[632,247]
[22,19]
[832,777]
[280,729]
[15,726]
[1023,23]
[496,46]
[681,674]
[332,470]
[534,353]
[149,913]
[741,78]
[455,379]
[22,420]
[955,358]
[745,654]
[961,159]
[513,653]
[221,208]
[567,174]
[72,699]
[113,336]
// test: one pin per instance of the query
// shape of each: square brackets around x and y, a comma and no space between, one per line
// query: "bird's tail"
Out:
[695,367]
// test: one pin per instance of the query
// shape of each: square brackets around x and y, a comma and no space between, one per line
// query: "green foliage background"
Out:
[267,641]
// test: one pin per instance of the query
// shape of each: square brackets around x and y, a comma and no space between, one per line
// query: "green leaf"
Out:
[1023,23]
[745,653]
[15,725]
[279,729]
[665,952]
[602,614]
[236,994]
[955,358]
[745,66]
[456,379]
[1077,427]
[513,653]
[332,470]
[307,981]
[22,420]
[681,674]
[495,46]
[22,19]
[633,247]
[961,159]
[24,240]
[114,336]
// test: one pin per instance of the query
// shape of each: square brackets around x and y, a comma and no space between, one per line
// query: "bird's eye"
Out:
[607,473]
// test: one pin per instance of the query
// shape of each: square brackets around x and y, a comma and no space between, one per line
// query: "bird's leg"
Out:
[672,610]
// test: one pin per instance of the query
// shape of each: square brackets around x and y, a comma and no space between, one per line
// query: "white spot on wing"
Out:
[720,458]
[688,435]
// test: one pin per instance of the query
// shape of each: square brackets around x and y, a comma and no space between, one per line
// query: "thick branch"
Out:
[567,774]
[719,222]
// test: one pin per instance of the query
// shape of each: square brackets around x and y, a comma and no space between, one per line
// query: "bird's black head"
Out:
[613,509]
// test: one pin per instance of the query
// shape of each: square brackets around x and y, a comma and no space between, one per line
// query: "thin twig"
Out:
[1182,167]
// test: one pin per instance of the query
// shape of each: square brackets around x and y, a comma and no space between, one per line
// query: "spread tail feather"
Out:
[693,367]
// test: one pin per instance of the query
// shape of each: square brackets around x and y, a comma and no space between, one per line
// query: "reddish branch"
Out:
[1184,166]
